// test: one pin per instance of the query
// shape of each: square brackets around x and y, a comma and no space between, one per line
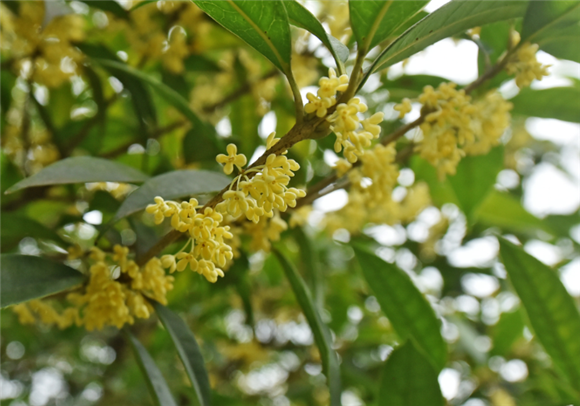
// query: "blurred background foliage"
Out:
[80,96]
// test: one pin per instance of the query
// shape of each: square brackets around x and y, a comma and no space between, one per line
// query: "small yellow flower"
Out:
[233,158]
[404,107]
[186,258]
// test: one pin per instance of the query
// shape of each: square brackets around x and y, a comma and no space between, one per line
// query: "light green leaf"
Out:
[26,277]
[155,381]
[172,185]
[301,17]
[551,310]
[81,169]
[508,329]
[410,86]
[475,178]
[453,18]
[188,351]
[312,267]
[554,26]
[170,95]
[409,379]
[319,329]
[405,306]
[562,103]
[262,24]
[441,191]
[373,21]
[505,211]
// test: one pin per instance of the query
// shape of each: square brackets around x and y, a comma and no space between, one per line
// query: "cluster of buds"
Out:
[326,94]
[209,251]
[524,64]
[267,190]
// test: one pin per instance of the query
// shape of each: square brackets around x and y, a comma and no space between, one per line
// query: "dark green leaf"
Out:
[453,18]
[562,103]
[26,277]
[110,6]
[155,381]
[410,86]
[188,351]
[81,169]
[508,329]
[505,211]
[172,185]
[553,25]
[312,267]
[373,21]
[170,95]
[15,227]
[475,178]
[319,329]
[441,191]
[405,306]
[493,41]
[301,17]
[8,80]
[409,379]
[199,63]
[262,24]
[550,309]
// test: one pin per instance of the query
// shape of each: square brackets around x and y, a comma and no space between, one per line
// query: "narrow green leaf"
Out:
[441,191]
[410,86]
[562,103]
[492,43]
[508,329]
[475,178]
[453,18]
[505,211]
[188,351]
[373,21]
[554,26]
[409,379]
[15,227]
[172,185]
[26,277]
[311,265]
[110,6]
[405,306]
[155,381]
[262,24]
[301,17]
[319,329]
[81,169]
[550,309]
[170,95]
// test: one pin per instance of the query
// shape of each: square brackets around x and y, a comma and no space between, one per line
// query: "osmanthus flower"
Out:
[233,158]
[404,108]
[524,64]
[326,94]
[457,125]
[107,299]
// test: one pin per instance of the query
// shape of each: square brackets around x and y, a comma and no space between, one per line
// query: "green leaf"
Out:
[15,227]
[508,329]
[319,329]
[312,268]
[170,95]
[26,277]
[475,178]
[405,306]
[301,17]
[155,381]
[505,211]
[550,309]
[410,86]
[562,103]
[554,26]
[188,351]
[492,43]
[81,169]
[453,18]
[373,21]
[441,191]
[172,185]
[409,379]
[262,24]
[111,6]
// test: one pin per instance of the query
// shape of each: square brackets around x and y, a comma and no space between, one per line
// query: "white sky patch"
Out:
[456,61]
[547,253]
[267,125]
[478,252]
[331,202]
[93,217]
[449,380]
[570,275]
[479,285]
[435,4]
[549,191]
[559,132]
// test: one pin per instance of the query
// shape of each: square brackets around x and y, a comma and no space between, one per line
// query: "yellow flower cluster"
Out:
[267,190]
[43,52]
[352,134]
[525,66]
[115,295]
[208,252]
[265,231]
[454,125]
